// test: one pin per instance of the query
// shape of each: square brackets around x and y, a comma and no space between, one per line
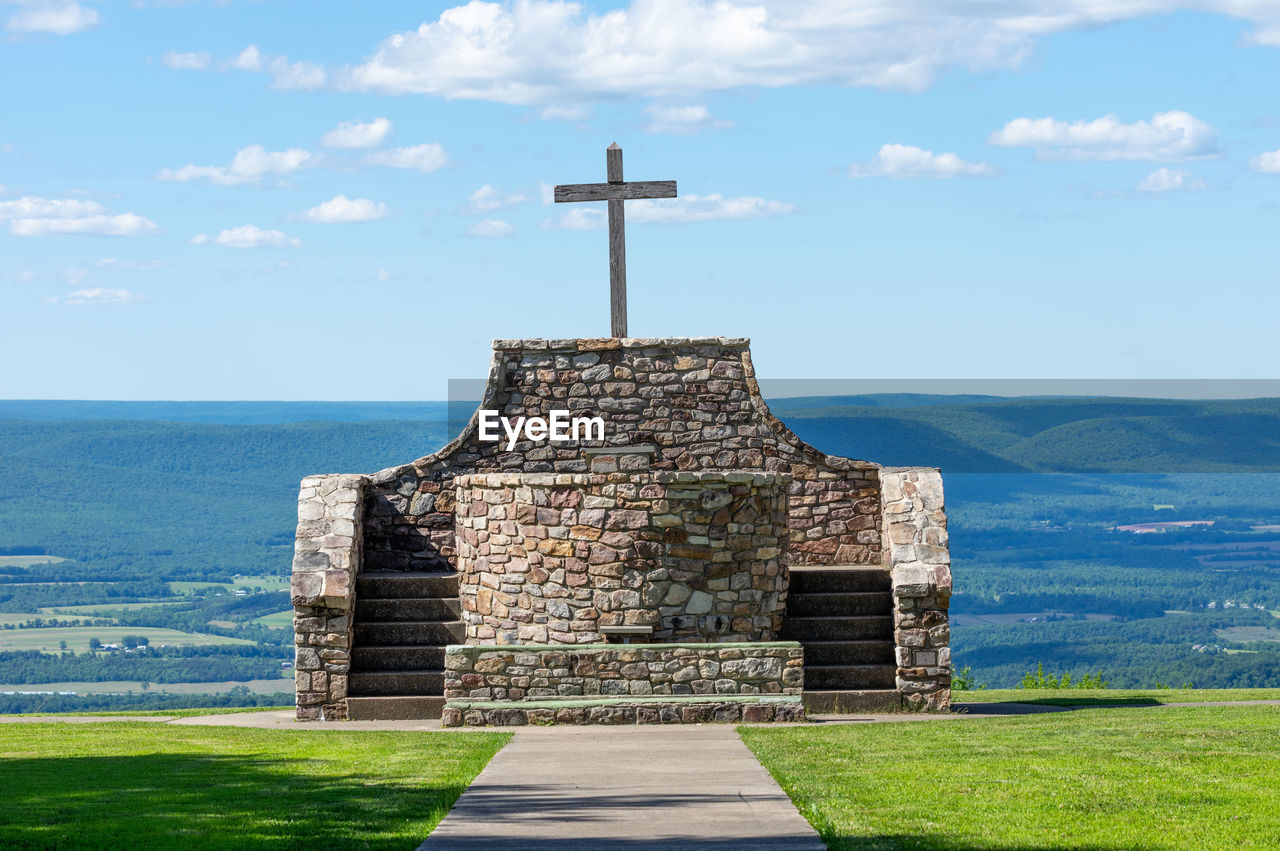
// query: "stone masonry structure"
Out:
[698,519]
[546,557]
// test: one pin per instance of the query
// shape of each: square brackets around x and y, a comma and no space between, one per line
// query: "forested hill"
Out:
[1071,435]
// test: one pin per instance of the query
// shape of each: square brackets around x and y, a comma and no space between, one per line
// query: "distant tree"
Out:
[62,645]
[95,644]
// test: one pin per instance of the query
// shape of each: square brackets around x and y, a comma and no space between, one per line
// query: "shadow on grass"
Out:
[210,800]
[1079,701]
[932,843]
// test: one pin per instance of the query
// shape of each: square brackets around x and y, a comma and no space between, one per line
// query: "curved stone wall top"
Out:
[695,401]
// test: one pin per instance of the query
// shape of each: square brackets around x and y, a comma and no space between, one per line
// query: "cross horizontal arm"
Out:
[616,191]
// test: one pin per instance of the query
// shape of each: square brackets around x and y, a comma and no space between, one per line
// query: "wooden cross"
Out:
[615,192]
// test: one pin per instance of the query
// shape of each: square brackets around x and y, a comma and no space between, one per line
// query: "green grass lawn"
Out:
[139,785]
[1112,696]
[1195,777]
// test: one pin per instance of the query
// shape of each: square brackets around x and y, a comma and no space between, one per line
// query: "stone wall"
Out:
[915,524]
[325,563]
[555,558]
[695,400]
[725,709]
[541,671]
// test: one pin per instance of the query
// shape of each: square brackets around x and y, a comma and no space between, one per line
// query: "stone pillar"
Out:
[325,563]
[915,528]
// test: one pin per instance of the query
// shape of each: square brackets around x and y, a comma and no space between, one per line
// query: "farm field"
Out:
[78,785]
[28,561]
[48,639]
[283,684]
[102,609]
[248,583]
[277,620]
[1181,777]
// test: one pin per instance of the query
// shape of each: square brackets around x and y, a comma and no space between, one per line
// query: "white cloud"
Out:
[424,158]
[187,61]
[910,161]
[563,113]
[125,224]
[577,218]
[59,18]
[1173,135]
[248,236]
[249,165]
[343,209]
[304,76]
[682,119]
[547,193]
[353,134]
[131,265]
[98,295]
[30,207]
[383,274]
[492,228]
[487,199]
[687,208]
[560,51]
[1266,36]
[1164,180]
[1268,163]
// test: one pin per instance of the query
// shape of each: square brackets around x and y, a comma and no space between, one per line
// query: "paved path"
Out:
[624,787]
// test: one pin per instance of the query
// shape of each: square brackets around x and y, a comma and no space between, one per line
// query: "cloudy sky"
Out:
[319,200]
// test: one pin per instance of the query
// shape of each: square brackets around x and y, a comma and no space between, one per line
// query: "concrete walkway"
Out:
[624,787]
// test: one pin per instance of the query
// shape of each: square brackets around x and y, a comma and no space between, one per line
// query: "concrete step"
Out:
[838,578]
[396,585]
[398,658]
[419,633]
[848,653]
[408,609]
[852,628]
[849,677]
[839,603]
[845,702]
[394,708]
[389,683]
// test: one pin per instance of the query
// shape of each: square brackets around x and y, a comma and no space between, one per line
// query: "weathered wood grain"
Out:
[616,191]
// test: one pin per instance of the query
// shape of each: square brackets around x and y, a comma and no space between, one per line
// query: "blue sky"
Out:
[288,200]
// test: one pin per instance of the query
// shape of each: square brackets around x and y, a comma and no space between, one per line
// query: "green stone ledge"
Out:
[625,710]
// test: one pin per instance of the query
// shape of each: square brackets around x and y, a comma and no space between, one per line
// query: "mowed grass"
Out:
[48,639]
[142,785]
[1113,696]
[1188,777]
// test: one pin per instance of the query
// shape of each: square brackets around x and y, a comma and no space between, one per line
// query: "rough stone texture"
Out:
[550,671]
[695,400]
[762,710]
[326,560]
[547,558]
[919,558]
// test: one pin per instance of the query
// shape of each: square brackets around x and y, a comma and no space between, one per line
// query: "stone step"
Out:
[845,702]
[419,633]
[847,653]
[394,708]
[851,628]
[843,677]
[839,603]
[806,579]
[408,609]
[396,585]
[396,683]
[398,658]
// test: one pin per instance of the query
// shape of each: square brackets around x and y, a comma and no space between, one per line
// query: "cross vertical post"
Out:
[617,247]
[615,191]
